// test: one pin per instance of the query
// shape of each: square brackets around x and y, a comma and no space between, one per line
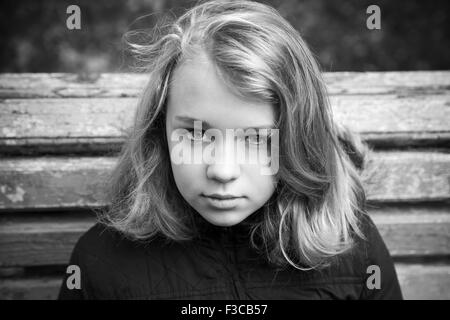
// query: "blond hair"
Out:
[314,212]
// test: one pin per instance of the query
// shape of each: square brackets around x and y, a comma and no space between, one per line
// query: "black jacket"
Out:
[220,265]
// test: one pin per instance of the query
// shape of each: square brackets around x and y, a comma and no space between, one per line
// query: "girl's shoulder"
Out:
[111,265]
[372,245]
[99,240]
[108,244]
[104,247]
[369,249]
[105,252]
[380,277]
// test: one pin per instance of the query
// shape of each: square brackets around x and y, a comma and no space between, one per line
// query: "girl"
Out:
[225,229]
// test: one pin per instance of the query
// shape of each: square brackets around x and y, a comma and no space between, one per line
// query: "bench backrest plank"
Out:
[59,134]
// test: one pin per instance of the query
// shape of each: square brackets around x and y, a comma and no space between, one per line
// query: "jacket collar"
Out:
[238,234]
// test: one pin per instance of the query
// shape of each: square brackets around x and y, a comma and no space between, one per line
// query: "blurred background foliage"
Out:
[414,34]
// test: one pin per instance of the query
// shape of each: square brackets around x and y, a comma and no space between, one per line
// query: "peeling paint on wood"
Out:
[67,182]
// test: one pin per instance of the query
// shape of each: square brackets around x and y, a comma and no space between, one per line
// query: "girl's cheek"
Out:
[186,153]
[186,180]
[255,174]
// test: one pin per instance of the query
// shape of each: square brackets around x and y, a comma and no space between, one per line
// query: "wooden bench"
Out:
[60,133]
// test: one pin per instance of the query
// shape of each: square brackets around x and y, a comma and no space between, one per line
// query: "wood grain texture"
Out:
[393,113]
[63,85]
[43,240]
[414,231]
[381,120]
[378,83]
[110,117]
[424,282]
[49,240]
[65,118]
[40,288]
[408,176]
[58,113]
[69,182]
[53,182]
[417,281]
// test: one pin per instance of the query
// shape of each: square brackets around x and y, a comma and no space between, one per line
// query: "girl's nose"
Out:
[225,167]
[223,172]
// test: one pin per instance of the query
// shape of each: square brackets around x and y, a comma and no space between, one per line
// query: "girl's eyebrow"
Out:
[207,125]
[191,120]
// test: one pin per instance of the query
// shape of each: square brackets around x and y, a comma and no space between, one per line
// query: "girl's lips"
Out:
[221,196]
[229,203]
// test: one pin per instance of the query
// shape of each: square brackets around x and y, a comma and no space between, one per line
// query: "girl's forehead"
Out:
[193,78]
[197,91]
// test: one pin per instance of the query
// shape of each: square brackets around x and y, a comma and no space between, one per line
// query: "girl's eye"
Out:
[197,135]
[257,139]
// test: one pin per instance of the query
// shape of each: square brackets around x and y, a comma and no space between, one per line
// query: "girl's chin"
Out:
[223,219]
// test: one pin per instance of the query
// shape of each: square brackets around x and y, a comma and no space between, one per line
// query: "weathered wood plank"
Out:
[424,282]
[45,288]
[63,85]
[414,231]
[42,123]
[64,118]
[391,82]
[53,182]
[408,176]
[43,240]
[389,113]
[417,281]
[68,182]
[101,146]
[49,240]
[390,140]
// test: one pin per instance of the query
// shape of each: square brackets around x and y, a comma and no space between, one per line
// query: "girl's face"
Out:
[197,93]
